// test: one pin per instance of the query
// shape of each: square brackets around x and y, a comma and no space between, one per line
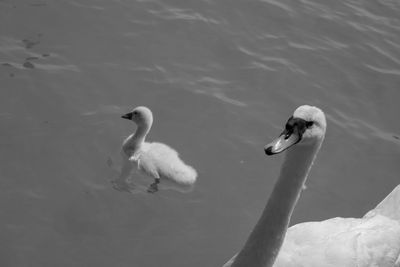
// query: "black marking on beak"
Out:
[127,116]
[295,125]
[294,130]
[268,150]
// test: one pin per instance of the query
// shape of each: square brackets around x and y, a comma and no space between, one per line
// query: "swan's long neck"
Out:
[134,141]
[265,241]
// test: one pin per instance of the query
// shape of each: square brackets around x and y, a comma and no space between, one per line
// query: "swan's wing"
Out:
[305,243]
[342,242]
[389,207]
[373,242]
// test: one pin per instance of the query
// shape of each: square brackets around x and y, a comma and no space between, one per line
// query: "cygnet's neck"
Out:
[266,239]
[135,141]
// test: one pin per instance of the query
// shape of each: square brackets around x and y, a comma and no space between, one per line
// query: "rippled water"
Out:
[221,77]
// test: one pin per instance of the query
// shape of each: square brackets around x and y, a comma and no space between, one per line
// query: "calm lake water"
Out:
[222,77]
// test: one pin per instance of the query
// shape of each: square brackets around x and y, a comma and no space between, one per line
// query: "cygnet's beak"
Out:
[127,116]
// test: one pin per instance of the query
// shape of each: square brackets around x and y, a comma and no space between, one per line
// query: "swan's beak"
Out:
[283,142]
[294,130]
[127,116]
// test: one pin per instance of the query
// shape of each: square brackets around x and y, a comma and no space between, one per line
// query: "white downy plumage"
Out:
[153,160]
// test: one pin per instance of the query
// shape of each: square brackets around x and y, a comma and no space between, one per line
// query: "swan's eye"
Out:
[309,124]
[135,113]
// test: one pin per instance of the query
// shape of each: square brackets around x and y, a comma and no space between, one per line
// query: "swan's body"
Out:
[373,240]
[154,160]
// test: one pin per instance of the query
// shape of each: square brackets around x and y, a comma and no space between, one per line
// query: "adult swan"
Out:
[373,240]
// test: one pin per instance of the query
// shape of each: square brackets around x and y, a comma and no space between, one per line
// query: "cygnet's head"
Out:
[306,126]
[140,115]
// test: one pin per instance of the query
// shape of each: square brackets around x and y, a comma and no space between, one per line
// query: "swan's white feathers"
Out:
[161,161]
[389,207]
[317,116]
[342,242]
[370,241]
[373,240]
[310,113]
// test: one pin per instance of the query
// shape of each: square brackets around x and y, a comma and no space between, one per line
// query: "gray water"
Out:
[222,77]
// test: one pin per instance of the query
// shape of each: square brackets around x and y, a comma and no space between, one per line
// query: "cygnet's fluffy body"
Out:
[154,160]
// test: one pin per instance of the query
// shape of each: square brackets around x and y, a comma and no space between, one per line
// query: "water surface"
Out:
[221,77]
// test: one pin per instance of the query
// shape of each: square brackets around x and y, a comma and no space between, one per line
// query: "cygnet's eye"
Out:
[309,124]
[135,113]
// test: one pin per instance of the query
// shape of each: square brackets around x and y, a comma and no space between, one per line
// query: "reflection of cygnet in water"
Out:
[154,160]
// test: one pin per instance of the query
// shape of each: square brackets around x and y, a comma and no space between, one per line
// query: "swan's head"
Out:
[306,126]
[140,115]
